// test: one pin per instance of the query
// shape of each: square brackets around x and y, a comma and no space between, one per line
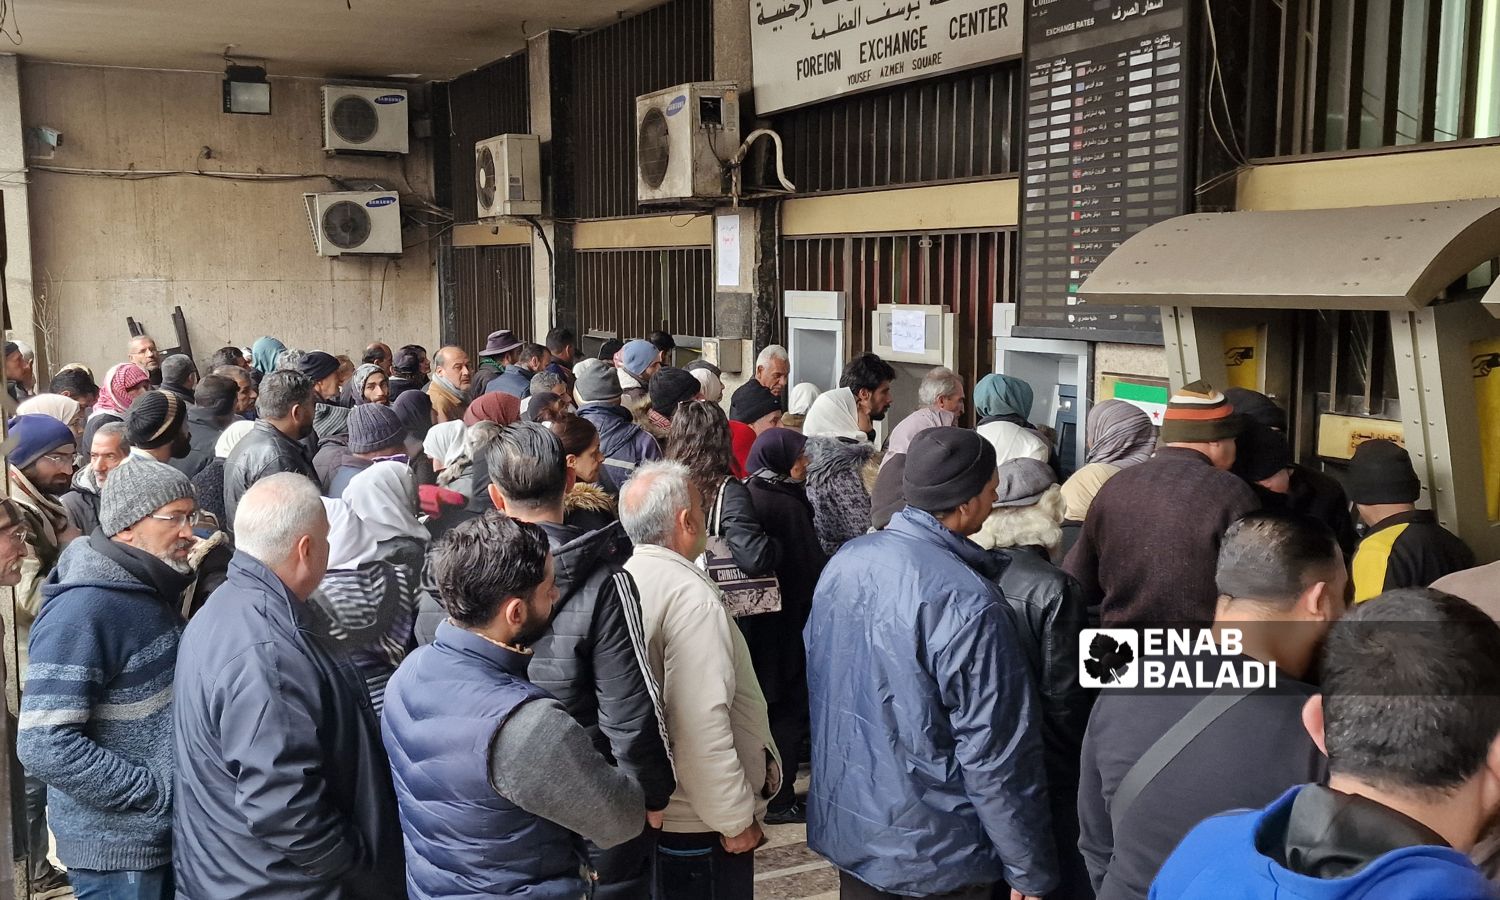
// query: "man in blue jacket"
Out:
[927,752]
[1409,721]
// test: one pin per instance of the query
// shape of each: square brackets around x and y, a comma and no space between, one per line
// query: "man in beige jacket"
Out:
[727,765]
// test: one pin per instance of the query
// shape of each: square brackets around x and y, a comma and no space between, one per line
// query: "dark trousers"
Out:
[625,871]
[851,888]
[696,867]
[790,730]
[152,884]
[38,841]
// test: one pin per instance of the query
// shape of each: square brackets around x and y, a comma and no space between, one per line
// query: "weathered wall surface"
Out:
[237,256]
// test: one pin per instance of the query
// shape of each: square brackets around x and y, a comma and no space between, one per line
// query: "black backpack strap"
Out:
[1167,748]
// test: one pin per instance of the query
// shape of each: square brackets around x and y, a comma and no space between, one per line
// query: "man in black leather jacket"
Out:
[591,657]
[285,411]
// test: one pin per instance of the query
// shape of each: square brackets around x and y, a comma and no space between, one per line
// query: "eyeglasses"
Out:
[193,519]
[59,458]
[19,534]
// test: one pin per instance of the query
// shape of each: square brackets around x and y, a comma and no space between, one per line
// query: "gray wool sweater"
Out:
[96,714]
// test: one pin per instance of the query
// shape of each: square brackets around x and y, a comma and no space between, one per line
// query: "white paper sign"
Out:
[908,331]
[727,248]
[804,51]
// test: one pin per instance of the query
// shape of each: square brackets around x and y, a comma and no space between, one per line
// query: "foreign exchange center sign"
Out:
[809,50]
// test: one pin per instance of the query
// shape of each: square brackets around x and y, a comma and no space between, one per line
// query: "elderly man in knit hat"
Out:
[635,365]
[754,405]
[376,433]
[1151,538]
[96,715]
[1403,546]
[669,388]
[928,775]
[156,425]
[623,444]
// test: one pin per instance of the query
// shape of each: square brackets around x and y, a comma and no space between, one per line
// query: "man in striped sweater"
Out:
[96,715]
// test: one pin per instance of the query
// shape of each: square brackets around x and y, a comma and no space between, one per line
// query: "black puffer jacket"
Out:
[592,657]
[1047,607]
[264,451]
[732,517]
[203,431]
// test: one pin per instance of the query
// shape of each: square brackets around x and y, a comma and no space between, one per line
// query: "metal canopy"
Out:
[1396,258]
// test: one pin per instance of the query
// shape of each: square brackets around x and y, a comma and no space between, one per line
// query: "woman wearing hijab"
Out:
[264,355]
[444,444]
[586,505]
[122,384]
[367,600]
[835,414]
[699,439]
[802,398]
[64,409]
[384,496]
[778,464]
[497,407]
[1004,407]
[1117,436]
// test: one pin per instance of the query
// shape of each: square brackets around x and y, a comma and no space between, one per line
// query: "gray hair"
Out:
[178,368]
[651,500]
[545,383]
[290,360]
[236,373]
[936,384]
[110,430]
[281,392]
[274,514]
[774,351]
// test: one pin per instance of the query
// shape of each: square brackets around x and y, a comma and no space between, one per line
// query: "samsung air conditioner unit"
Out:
[364,119]
[684,138]
[508,176]
[355,222]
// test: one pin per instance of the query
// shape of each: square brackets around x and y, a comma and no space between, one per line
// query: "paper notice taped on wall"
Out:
[727,250]
[908,331]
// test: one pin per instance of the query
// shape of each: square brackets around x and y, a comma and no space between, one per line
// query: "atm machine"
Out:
[913,339]
[815,337]
[1059,373]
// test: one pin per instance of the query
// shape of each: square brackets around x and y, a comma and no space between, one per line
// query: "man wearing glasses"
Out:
[96,715]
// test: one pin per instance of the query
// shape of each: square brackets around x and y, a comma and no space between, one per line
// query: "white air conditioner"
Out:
[355,222]
[684,138]
[508,175]
[364,119]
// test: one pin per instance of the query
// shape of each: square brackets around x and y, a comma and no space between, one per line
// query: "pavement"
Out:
[786,870]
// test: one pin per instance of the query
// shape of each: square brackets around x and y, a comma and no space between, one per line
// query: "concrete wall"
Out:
[237,256]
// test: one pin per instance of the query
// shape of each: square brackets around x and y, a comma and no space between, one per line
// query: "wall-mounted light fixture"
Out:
[246,90]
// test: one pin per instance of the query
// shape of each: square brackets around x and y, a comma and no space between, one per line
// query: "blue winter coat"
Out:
[927,749]
[1219,860]
[515,381]
[624,444]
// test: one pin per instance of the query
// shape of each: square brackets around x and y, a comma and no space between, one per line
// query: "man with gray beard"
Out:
[96,714]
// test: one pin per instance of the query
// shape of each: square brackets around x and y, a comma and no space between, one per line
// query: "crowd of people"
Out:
[562,625]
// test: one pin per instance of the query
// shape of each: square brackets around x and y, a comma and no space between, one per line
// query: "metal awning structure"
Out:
[1393,258]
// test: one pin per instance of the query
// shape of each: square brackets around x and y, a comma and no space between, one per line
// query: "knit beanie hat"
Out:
[1260,452]
[638,355]
[946,467]
[135,490]
[1198,414]
[154,419]
[32,437]
[596,380]
[1381,472]
[752,402]
[318,365]
[609,348]
[1256,407]
[1023,481]
[374,427]
[671,387]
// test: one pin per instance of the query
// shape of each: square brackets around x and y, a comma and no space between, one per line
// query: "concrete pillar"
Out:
[20,286]
[549,59]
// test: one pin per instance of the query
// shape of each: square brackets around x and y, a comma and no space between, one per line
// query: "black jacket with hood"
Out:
[592,658]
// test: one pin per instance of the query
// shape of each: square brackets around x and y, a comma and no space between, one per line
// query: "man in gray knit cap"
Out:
[96,715]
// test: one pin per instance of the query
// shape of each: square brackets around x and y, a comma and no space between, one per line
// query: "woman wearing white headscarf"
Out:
[444,444]
[367,601]
[835,414]
[384,496]
[64,409]
[801,400]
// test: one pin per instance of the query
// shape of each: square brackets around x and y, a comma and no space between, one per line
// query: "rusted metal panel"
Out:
[486,102]
[635,292]
[493,290]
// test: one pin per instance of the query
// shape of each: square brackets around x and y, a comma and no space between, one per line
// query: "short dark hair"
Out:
[79,382]
[1274,556]
[374,353]
[1411,691]
[281,392]
[225,356]
[609,348]
[560,339]
[10,348]
[178,368]
[216,394]
[415,348]
[866,372]
[528,465]
[530,352]
[575,432]
[662,341]
[481,563]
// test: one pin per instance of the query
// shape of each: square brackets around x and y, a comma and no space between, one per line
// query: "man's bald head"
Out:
[452,363]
